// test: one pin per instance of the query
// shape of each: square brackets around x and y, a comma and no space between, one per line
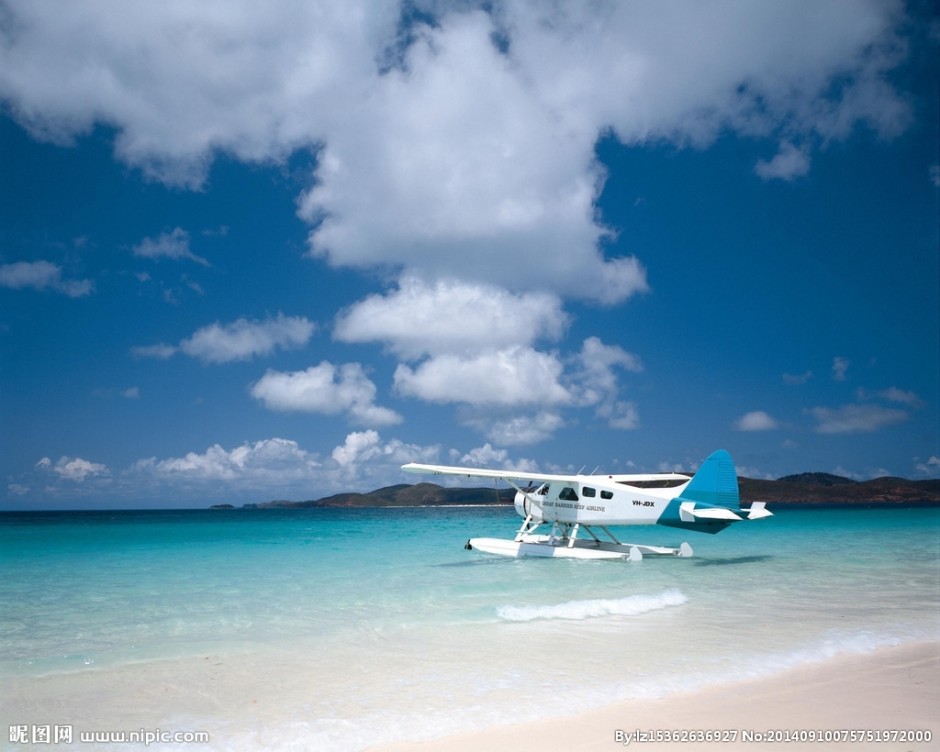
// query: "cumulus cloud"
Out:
[172,245]
[42,275]
[363,461]
[158,352]
[432,142]
[490,457]
[756,420]
[596,378]
[620,414]
[461,165]
[205,78]
[930,468]
[789,163]
[595,382]
[687,75]
[325,389]
[515,430]
[840,367]
[450,316]
[365,446]
[270,461]
[901,396]
[489,382]
[74,469]
[512,376]
[244,339]
[855,418]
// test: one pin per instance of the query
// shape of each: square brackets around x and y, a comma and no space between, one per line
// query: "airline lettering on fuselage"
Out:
[582,507]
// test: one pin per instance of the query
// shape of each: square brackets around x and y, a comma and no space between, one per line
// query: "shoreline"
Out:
[893,689]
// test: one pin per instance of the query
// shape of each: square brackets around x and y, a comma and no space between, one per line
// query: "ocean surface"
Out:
[330,629]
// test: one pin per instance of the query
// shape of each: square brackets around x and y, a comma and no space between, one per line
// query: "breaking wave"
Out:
[631,605]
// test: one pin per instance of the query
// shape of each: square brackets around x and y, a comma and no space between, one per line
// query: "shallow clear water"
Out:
[339,629]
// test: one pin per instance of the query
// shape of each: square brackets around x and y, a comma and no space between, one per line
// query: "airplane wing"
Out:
[474,472]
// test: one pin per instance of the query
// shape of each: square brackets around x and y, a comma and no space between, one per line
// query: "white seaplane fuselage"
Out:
[602,499]
[572,504]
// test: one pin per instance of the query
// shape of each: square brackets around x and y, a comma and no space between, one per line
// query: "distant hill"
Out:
[403,495]
[792,489]
[822,487]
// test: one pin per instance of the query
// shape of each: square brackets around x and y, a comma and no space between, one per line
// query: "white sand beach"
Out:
[889,689]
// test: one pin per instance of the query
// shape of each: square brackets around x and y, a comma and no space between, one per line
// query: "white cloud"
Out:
[594,382]
[273,462]
[42,275]
[840,366]
[325,389]
[74,469]
[756,420]
[508,377]
[517,429]
[278,467]
[158,352]
[855,418]
[364,458]
[930,468]
[620,415]
[180,82]
[460,165]
[172,245]
[444,150]
[490,381]
[789,163]
[487,456]
[449,316]
[257,86]
[596,379]
[244,339]
[901,396]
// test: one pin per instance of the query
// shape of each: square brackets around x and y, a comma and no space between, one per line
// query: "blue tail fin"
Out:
[716,482]
[710,502]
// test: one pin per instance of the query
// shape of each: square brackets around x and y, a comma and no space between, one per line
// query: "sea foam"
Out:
[631,605]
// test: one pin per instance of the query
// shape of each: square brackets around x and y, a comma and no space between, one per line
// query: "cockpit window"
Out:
[568,494]
[542,490]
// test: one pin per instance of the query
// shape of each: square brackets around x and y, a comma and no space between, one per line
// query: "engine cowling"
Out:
[527,503]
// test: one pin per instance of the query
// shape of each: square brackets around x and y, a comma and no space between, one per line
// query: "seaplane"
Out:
[577,507]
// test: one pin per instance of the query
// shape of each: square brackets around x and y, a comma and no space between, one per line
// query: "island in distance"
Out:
[805,488]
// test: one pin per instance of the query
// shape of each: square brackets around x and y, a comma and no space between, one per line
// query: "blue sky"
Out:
[249,256]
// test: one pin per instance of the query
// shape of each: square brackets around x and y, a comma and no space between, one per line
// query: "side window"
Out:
[607,494]
[568,494]
[543,489]
[589,492]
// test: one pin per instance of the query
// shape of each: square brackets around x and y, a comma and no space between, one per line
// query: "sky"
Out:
[253,253]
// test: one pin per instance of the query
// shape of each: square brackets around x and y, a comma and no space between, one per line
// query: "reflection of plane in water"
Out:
[706,502]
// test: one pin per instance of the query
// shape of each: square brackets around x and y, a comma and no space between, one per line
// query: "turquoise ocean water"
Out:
[344,629]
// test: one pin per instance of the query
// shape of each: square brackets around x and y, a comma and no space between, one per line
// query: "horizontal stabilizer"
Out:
[689,512]
[758,511]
